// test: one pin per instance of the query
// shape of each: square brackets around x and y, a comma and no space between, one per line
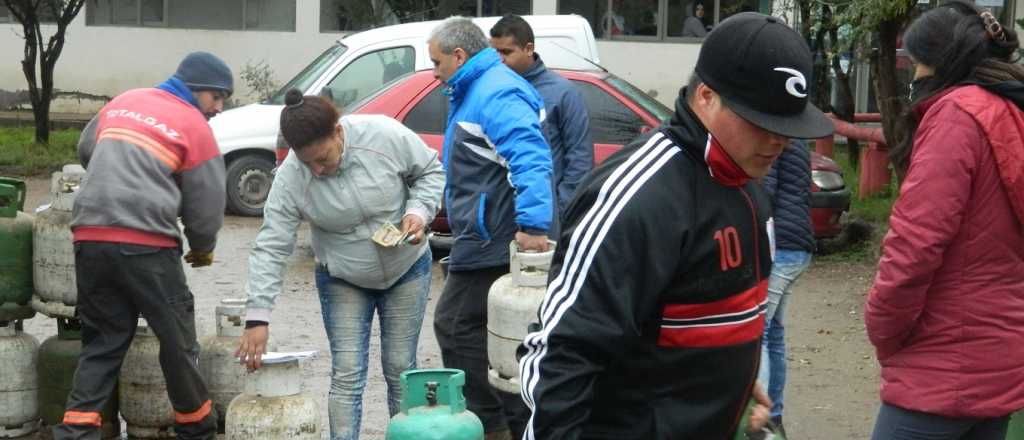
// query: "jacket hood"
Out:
[689,132]
[535,69]
[469,72]
[1006,147]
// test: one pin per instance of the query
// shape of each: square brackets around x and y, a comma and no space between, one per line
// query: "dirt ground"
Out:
[833,378]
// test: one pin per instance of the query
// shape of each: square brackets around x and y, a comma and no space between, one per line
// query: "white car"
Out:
[352,69]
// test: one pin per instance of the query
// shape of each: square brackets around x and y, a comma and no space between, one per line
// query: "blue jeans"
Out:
[786,268]
[895,423]
[348,316]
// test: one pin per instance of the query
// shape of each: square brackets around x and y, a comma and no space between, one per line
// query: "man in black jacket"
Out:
[652,324]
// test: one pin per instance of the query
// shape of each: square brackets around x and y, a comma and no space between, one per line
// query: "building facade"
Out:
[116,45]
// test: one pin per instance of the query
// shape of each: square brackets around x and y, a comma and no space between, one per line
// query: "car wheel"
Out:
[248,183]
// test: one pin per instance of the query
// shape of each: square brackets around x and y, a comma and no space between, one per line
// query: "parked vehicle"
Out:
[387,71]
[355,67]
[619,112]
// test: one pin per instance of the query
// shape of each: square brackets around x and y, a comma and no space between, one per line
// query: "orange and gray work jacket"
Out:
[150,158]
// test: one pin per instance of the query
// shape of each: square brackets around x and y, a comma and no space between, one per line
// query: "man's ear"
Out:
[704,96]
[460,56]
[529,48]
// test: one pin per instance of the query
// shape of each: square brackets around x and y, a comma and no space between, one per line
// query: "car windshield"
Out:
[642,99]
[314,70]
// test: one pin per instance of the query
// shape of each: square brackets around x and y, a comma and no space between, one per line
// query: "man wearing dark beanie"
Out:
[150,158]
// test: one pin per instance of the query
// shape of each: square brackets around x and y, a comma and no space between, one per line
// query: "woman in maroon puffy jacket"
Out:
[946,312]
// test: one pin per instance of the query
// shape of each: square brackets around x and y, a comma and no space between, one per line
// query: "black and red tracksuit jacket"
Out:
[651,327]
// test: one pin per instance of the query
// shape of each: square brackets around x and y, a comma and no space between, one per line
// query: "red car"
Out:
[619,112]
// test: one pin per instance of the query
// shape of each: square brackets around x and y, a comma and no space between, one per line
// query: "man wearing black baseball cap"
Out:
[651,327]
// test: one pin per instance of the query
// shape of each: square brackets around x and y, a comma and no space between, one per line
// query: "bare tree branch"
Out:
[41,51]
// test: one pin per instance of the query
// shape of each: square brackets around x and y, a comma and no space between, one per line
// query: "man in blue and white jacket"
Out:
[498,190]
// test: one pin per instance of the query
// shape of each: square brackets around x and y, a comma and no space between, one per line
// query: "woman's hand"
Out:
[252,346]
[413,226]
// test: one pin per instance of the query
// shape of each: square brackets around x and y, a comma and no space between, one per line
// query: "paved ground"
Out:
[833,377]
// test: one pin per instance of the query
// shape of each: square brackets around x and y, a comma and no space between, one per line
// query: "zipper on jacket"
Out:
[757,272]
[357,196]
[757,244]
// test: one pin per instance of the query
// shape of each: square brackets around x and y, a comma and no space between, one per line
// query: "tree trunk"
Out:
[821,92]
[888,93]
[26,12]
[805,19]
[845,107]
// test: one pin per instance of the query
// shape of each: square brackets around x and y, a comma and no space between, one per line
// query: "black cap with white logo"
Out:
[761,67]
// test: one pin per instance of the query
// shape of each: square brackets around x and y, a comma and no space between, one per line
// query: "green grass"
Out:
[874,210]
[21,156]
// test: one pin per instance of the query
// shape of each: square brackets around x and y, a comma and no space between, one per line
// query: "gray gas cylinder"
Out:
[53,252]
[225,377]
[19,384]
[142,391]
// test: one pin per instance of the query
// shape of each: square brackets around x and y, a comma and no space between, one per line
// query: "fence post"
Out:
[874,170]
[825,146]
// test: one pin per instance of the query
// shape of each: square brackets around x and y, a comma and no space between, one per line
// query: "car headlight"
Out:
[828,180]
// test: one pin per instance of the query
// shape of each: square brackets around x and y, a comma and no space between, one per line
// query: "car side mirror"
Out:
[326,92]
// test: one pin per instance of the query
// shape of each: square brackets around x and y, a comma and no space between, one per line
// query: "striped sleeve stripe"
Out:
[147,143]
[611,188]
[615,193]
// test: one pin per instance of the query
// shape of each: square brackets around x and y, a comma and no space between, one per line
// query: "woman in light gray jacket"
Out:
[349,177]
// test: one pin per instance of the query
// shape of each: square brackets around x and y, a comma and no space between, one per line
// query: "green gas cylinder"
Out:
[15,252]
[58,359]
[1016,429]
[433,408]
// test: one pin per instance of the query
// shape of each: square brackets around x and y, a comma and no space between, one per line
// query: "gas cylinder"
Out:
[1016,428]
[19,409]
[511,307]
[433,408]
[15,252]
[766,433]
[273,406]
[53,268]
[142,391]
[225,377]
[58,359]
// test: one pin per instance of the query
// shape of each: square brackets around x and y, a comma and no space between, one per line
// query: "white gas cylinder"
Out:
[512,305]
[273,406]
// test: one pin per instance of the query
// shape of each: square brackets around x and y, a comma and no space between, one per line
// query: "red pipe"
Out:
[870,134]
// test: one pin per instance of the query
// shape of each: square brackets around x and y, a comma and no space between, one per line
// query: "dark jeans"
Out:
[895,423]
[460,325]
[116,283]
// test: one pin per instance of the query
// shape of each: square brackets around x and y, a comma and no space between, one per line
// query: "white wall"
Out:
[545,7]
[107,60]
[659,67]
